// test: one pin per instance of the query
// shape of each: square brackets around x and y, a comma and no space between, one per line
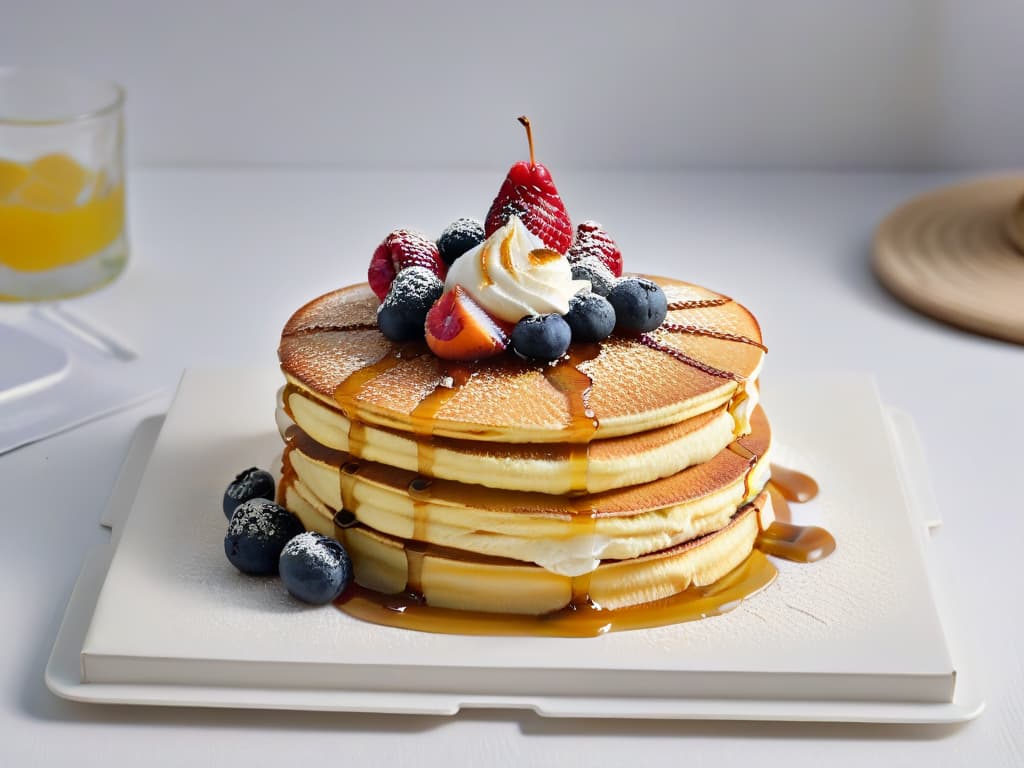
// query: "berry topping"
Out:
[401,315]
[590,317]
[315,568]
[529,193]
[257,533]
[593,269]
[401,249]
[252,483]
[640,305]
[459,329]
[541,337]
[592,240]
[458,237]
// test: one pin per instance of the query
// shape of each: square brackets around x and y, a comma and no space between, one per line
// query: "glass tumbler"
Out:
[62,222]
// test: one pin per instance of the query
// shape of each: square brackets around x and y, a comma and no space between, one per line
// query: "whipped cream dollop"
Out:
[513,275]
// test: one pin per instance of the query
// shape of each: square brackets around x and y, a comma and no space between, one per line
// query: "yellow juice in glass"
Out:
[55,213]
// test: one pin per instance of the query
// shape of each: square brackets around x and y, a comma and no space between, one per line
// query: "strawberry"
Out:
[592,240]
[402,248]
[529,193]
[458,328]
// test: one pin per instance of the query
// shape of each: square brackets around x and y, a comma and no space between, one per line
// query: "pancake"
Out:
[593,467]
[565,535]
[705,356]
[623,473]
[446,578]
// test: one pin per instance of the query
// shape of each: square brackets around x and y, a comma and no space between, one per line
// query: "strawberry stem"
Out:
[529,137]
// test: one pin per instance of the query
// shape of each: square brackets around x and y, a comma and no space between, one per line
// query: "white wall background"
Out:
[625,84]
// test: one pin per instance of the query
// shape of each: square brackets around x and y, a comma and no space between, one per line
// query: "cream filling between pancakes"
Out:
[461,581]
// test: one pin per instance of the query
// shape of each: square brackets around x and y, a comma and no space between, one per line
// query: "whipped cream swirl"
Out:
[512,275]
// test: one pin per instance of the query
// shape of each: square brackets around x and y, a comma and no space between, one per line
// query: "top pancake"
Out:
[697,360]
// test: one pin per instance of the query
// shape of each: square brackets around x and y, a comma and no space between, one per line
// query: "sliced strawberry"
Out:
[458,328]
[402,248]
[592,240]
[529,193]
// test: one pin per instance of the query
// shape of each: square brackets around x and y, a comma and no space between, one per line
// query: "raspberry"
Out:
[402,248]
[592,240]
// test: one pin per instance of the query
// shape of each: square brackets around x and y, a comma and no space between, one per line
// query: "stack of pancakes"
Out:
[627,472]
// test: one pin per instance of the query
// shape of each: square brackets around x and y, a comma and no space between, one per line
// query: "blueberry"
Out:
[541,337]
[458,237]
[257,533]
[315,568]
[253,483]
[590,317]
[640,305]
[403,312]
[591,268]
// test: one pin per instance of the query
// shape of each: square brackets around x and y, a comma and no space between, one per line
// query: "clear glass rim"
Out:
[108,107]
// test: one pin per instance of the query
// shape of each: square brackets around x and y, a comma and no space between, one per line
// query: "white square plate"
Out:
[856,637]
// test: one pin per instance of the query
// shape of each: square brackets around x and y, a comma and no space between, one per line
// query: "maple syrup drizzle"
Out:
[356,437]
[780,504]
[419,492]
[348,473]
[332,328]
[676,306]
[539,256]
[424,415]
[649,341]
[696,330]
[343,519]
[582,619]
[575,385]
[414,555]
[420,487]
[751,458]
[289,390]
[347,393]
[580,591]
[584,524]
[794,485]
[799,543]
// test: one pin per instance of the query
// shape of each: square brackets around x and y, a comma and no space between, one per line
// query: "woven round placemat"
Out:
[957,254]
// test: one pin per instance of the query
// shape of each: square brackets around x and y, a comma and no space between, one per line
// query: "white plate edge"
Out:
[63,669]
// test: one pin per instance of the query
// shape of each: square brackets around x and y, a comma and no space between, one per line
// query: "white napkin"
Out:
[58,371]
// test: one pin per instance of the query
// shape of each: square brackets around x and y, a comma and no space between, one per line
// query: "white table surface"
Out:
[219,260]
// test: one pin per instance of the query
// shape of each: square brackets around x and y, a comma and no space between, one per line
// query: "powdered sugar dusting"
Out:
[591,268]
[415,284]
[316,550]
[464,228]
[257,518]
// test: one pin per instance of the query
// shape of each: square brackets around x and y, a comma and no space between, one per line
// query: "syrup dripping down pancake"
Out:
[562,534]
[565,468]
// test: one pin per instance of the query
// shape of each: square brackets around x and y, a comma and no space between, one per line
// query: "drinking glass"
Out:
[62,221]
